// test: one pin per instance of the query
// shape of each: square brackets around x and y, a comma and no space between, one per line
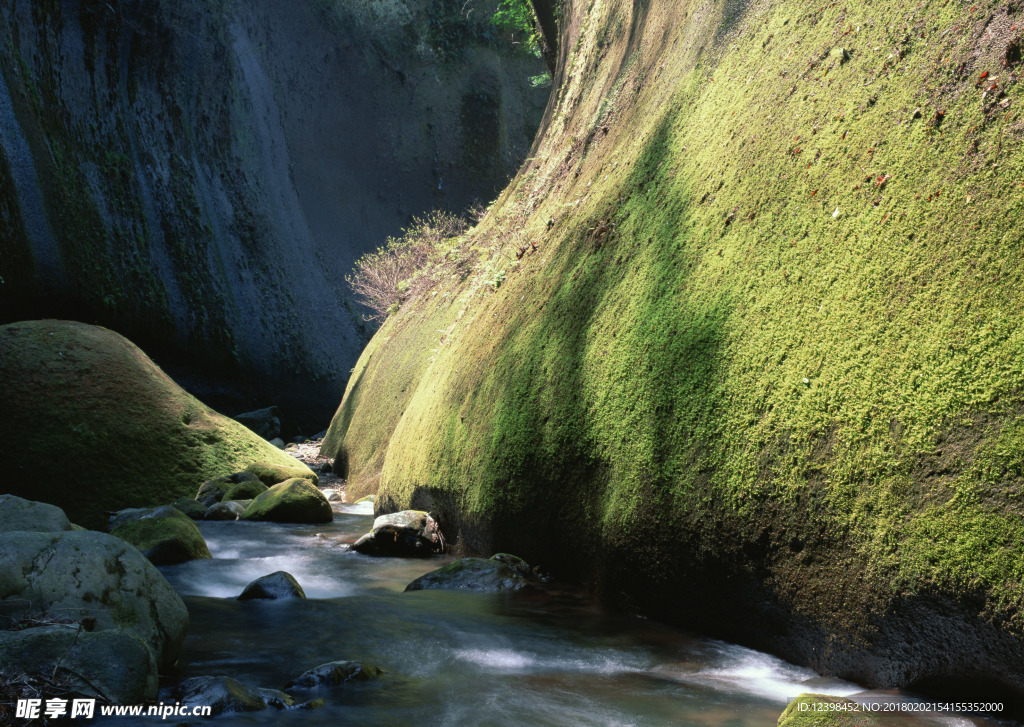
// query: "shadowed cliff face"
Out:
[201,175]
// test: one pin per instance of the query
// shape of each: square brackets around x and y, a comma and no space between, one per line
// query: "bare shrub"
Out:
[406,265]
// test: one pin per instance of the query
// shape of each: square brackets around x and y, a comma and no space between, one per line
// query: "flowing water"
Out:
[456,658]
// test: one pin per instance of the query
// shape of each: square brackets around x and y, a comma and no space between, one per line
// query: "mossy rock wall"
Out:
[201,174]
[94,426]
[762,374]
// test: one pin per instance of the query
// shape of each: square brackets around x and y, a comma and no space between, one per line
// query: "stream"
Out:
[457,658]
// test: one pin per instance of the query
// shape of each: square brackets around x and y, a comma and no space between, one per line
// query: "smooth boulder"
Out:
[271,474]
[90,575]
[245,491]
[165,535]
[225,695]
[279,584]
[292,501]
[264,422]
[405,533]
[484,575]
[112,664]
[193,508]
[17,513]
[334,674]
[229,510]
[91,416]
[214,490]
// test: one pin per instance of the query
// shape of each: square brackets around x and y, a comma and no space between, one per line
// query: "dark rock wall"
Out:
[200,175]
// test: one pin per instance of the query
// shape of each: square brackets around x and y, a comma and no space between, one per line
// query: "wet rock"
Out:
[193,508]
[369,498]
[333,496]
[818,710]
[165,535]
[292,501]
[334,674]
[277,442]
[20,514]
[244,490]
[225,695]
[214,490]
[514,562]
[405,533]
[273,474]
[471,574]
[85,574]
[366,545]
[279,584]
[112,664]
[230,510]
[264,422]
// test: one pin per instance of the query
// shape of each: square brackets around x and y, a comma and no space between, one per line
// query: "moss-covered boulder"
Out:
[228,510]
[292,501]
[271,474]
[824,710]
[485,575]
[112,664]
[225,695]
[275,585]
[193,508]
[16,513]
[244,491]
[103,426]
[334,674]
[91,577]
[214,490]
[165,535]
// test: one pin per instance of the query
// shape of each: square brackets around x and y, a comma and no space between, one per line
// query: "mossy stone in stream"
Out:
[275,585]
[193,508]
[226,510]
[334,674]
[271,474]
[471,574]
[85,395]
[244,491]
[17,513]
[293,501]
[823,710]
[215,490]
[165,536]
[225,695]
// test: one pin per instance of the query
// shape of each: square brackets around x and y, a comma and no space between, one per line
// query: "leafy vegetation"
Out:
[517,17]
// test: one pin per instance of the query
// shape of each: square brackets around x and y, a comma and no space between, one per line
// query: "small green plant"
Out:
[517,18]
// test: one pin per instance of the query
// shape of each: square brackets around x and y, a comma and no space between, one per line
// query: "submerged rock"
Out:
[229,510]
[471,574]
[19,514]
[406,533]
[131,435]
[112,664]
[272,474]
[225,695]
[334,674]
[165,535]
[824,710]
[292,501]
[90,575]
[279,584]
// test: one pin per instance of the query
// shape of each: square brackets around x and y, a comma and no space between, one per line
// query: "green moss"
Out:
[272,474]
[773,320]
[822,710]
[94,397]
[292,501]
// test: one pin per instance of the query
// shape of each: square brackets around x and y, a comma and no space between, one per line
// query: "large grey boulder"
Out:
[264,422]
[276,585]
[405,533]
[85,574]
[471,574]
[164,534]
[20,514]
[334,674]
[112,664]
[292,501]
[224,695]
